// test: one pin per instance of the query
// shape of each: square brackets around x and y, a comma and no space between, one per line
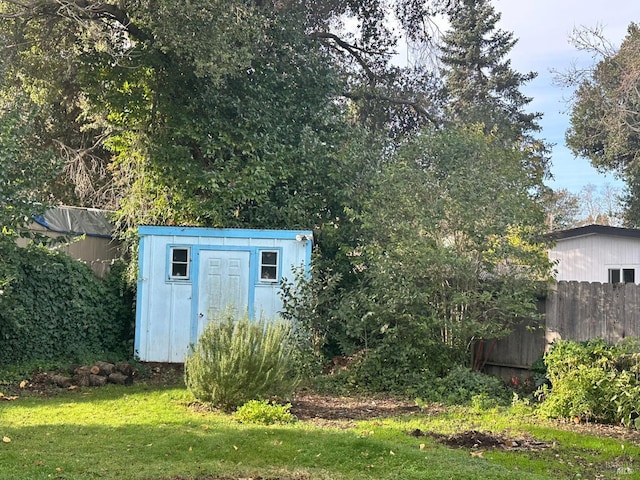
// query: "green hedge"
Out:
[53,308]
[593,381]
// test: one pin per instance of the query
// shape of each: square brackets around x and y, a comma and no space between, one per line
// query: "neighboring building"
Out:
[597,253]
[188,274]
[86,235]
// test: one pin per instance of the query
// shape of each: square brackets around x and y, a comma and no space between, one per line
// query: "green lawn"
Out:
[145,432]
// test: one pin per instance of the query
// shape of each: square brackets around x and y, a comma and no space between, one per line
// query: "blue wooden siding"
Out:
[168,319]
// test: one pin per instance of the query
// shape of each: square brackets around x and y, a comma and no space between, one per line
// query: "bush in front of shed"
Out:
[237,360]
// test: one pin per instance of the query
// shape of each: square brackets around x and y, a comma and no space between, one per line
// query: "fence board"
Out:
[573,311]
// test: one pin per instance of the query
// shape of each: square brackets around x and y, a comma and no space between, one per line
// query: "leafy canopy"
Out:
[451,251]
[605,117]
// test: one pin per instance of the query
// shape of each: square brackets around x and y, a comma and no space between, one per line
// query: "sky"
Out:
[542,28]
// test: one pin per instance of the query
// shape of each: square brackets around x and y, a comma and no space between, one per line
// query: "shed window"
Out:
[179,263]
[622,275]
[269,266]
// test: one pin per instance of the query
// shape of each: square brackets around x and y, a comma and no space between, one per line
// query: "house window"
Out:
[269,266]
[179,263]
[622,275]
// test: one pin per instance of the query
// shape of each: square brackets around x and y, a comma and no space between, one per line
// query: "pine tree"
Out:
[480,85]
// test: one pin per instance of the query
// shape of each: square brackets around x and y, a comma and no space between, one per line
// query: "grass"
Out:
[151,433]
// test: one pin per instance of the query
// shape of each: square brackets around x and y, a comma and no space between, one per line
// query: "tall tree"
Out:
[213,112]
[444,260]
[561,208]
[605,114]
[591,205]
[480,85]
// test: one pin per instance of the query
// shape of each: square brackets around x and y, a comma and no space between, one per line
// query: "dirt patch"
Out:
[600,430]
[476,440]
[345,411]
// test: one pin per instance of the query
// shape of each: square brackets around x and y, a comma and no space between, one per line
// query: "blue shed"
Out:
[187,274]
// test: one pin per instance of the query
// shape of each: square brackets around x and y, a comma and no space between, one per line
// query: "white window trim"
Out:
[271,265]
[172,263]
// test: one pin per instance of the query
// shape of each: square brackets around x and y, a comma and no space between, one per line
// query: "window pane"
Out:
[179,270]
[269,258]
[179,255]
[268,273]
[614,275]
[629,275]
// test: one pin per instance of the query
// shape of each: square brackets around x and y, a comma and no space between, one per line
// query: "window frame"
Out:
[172,262]
[274,267]
[621,275]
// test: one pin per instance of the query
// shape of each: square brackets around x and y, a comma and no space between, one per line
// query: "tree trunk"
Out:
[104,368]
[120,379]
[81,377]
[97,380]
[61,381]
[124,368]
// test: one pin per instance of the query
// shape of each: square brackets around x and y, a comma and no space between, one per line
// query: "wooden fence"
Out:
[572,311]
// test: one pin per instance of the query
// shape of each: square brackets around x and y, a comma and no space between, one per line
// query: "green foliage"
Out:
[264,412]
[54,308]
[27,164]
[462,386]
[606,113]
[237,360]
[309,301]
[444,261]
[593,380]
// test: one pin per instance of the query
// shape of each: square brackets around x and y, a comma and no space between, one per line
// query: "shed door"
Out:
[223,283]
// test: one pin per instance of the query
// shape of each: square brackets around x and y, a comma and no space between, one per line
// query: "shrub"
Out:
[593,380]
[461,386]
[237,360]
[581,393]
[53,308]
[264,412]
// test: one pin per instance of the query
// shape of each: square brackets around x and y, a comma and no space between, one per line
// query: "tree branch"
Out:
[394,101]
[333,40]
[102,10]
[78,10]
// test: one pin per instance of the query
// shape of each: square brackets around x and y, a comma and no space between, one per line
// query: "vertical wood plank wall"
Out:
[573,311]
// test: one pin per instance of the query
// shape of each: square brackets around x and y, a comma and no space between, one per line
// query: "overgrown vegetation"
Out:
[272,115]
[238,360]
[53,308]
[593,381]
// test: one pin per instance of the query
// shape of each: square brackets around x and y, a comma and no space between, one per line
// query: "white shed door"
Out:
[223,283]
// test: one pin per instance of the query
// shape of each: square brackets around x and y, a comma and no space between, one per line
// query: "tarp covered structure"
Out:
[77,221]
